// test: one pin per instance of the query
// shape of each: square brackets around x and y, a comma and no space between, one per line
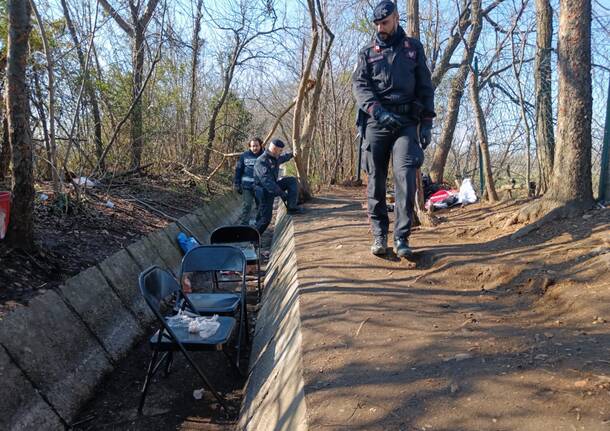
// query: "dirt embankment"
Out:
[481,331]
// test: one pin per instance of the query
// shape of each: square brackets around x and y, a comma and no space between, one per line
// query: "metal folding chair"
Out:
[248,240]
[216,258]
[160,289]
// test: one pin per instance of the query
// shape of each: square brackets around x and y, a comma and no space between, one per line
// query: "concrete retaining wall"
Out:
[55,351]
[274,396]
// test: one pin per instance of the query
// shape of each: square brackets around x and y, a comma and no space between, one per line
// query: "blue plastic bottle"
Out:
[186,242]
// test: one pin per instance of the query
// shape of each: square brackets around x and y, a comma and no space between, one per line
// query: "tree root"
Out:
[540,212]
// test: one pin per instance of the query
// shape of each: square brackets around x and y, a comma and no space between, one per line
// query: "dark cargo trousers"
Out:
[247,199]
[265,201]
[407,157]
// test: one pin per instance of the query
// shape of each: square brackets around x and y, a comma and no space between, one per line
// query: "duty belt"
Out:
[398,109]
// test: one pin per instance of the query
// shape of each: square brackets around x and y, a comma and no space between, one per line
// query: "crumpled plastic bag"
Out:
[467,194]
[205,326]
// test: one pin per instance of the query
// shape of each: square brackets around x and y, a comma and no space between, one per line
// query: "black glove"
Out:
[238,189]
[284,198]
[425,135]
[387,119]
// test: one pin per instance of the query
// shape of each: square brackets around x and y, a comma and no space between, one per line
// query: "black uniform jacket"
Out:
[394,75]
[266,171]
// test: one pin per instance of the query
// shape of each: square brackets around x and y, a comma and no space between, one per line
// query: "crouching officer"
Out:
[392,84]
[267,185]
[244,178]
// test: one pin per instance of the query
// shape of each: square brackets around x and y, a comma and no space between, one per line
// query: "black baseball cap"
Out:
[384,9]
[278,143]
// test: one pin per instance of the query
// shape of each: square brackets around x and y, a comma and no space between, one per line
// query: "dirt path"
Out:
[483,332]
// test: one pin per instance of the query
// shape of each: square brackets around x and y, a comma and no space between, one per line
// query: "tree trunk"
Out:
[226,86]
[462,24]
[5,147]
[481,126]
[413,18]
[193,101]
[137,128]
[21,229]
[571,182]
[571,190]
[517,67]
[51,100]
[39,105]
[89,87]
[455,96]
[135,31]
[545,140]
[212,124]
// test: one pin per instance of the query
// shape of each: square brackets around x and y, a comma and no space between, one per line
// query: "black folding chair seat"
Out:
[192,341]
[215,303]
[248,240]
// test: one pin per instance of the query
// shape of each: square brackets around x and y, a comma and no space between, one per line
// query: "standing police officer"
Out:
[267,185]
[392,85]
[244,178]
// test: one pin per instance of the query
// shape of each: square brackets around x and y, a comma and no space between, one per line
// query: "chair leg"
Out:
[149,374]
[159,362]
[258,279]
[233,364]
[219,398]
[168,363]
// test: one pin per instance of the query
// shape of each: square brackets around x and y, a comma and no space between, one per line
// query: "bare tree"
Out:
[455,97]
[245,31]
[481,127]
[21,229]
[517,68]
[196,43]
[302,136]
[137,32]
[571,189]
[458,31]
[52,147]
[89,86]
[545,140]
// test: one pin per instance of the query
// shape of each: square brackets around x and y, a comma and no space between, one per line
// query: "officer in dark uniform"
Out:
[244,178]
[392,86]
[267,185]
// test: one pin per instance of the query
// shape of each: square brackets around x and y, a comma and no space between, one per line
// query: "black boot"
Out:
[380,245]
[401,247]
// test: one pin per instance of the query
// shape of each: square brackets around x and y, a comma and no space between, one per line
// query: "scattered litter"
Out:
[198,393]
[339,246]
[205,326]
[360,327]
[85,181]
[454,388]
[43,197]
[109,204]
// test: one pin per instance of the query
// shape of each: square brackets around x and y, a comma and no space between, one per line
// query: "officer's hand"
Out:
[425,135]
[387,119]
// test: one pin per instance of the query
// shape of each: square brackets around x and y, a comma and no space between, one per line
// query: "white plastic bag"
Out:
[467,194]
